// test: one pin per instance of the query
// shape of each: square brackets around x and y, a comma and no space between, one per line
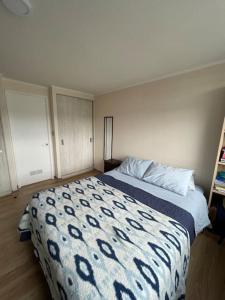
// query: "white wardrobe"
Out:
[75,134]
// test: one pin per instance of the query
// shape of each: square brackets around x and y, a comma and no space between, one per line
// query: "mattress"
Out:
[194,202]
[104,238]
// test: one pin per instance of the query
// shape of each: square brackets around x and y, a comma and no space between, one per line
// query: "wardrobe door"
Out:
[5,187]
[75,134]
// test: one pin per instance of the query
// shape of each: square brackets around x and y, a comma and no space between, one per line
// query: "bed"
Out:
[114,237]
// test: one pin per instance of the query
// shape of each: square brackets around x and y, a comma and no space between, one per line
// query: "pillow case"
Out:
[134,167]
[173,179]
[191,186]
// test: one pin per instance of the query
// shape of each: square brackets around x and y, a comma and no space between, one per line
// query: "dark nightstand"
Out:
[111,164]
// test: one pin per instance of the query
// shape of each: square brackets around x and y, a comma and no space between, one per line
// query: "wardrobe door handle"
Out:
[62,142]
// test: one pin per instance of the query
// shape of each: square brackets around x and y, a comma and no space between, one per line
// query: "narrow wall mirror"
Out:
[108,137]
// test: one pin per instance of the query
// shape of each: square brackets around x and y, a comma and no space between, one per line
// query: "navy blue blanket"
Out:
[167,208]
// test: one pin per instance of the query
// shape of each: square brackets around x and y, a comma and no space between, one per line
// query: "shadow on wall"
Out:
[209,143]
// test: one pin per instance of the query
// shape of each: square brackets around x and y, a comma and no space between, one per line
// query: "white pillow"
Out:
[173,179]
[134,167]
[191,186]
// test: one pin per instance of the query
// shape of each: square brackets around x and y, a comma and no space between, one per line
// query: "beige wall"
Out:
[175,121]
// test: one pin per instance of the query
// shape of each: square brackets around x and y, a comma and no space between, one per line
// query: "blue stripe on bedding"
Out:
[163,206]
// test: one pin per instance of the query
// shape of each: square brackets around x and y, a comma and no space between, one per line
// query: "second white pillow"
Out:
[173,179]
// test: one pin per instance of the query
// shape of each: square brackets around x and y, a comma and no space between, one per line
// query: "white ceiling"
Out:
[103,45]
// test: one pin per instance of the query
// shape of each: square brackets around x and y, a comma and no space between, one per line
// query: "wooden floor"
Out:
[21,276]
[206,278]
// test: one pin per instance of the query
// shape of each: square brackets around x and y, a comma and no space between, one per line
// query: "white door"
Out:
[75,134]
[5,187]
[30,130]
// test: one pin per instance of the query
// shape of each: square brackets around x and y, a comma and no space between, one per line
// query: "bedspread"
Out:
[94,241]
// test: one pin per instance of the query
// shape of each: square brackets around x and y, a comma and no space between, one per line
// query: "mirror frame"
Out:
[105,132]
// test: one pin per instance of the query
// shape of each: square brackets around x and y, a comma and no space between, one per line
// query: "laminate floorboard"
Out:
[206,277]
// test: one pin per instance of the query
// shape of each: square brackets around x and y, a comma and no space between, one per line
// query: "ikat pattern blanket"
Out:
[94,241]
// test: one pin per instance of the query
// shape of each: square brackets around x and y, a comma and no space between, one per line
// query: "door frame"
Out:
[54,91]
[10,146]
[8,138]
[7,192]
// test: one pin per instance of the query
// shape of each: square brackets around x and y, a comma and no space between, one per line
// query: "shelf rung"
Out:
[218,192]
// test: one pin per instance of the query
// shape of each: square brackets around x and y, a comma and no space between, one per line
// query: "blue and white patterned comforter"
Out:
[96,242]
